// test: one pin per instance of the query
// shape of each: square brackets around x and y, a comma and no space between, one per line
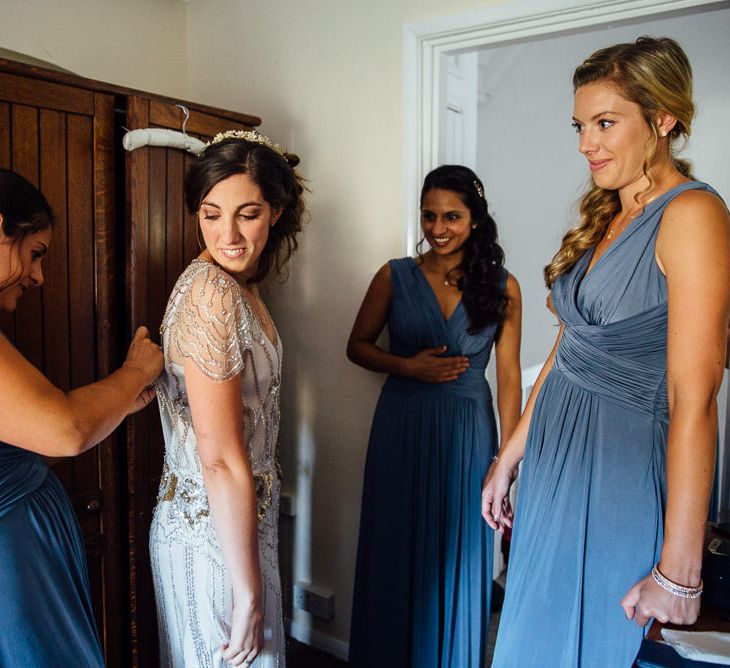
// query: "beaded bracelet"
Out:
[495,459]
[674,588]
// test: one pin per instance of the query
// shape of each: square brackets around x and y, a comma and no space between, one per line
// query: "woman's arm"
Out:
[509,375]
[496,507]
[426,366]
[217,413]
[37,416]
[693,250]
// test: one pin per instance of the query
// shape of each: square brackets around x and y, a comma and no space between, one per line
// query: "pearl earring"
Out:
[664,133]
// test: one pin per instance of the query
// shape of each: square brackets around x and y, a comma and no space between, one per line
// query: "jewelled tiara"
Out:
[248,135]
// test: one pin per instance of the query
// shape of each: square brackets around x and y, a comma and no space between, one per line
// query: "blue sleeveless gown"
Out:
[46,618]
[589,516]
[424,567]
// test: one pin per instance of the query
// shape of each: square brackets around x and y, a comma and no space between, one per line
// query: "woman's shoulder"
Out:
[694,197]
[201,272]
[206,289]
[695,224]
[401,263]
[696,204]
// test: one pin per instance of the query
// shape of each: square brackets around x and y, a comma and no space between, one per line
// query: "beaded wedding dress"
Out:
[210,322]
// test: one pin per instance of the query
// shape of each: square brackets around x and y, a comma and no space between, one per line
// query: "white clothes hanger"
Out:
[162,137]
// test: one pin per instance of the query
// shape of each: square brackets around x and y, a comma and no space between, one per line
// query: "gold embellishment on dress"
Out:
[168,484]
[264,485]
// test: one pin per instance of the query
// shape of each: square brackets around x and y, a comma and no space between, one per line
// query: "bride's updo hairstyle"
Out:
[272,169]
[655,74]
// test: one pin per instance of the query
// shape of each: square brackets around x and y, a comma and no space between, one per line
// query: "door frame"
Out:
[427,43]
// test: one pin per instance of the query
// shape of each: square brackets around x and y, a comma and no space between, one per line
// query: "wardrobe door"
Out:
[161,241]
[60,138]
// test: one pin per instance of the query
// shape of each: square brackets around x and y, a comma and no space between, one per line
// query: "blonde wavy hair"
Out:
[655,74]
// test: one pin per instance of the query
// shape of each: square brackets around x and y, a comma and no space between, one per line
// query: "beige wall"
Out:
[326,77]
[135,43]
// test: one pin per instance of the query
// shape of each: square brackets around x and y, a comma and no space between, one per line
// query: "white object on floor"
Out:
[710,646]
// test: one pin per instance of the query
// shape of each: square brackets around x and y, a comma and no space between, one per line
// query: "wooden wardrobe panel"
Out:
[170,116]
[28,317]
[139,501]
[55,266]
[106,273]
[175,205]
[7,321]
[56,327]
[108,237]
[46,94]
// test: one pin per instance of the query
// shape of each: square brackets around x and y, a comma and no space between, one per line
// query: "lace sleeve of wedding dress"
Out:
[211,327]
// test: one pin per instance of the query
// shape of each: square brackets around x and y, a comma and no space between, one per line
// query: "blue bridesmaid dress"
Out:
[424,566]
[46,618]
[589,517]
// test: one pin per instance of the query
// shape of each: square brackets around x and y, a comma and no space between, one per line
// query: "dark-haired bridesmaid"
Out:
[45,606]
[424,567]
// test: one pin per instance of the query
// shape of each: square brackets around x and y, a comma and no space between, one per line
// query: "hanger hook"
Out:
[187,115]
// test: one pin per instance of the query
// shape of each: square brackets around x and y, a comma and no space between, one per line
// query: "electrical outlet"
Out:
[288,505]
[318,601]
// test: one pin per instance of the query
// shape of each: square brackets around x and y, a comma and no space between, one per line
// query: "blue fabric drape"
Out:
[424,569]
[45,607]
[590,508]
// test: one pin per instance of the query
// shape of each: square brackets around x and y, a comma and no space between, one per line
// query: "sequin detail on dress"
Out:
[209,322]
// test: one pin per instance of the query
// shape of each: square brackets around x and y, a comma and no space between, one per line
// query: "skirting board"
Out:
[317,639]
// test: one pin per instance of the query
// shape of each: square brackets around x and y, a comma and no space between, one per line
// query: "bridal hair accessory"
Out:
[479,189]
[248,135]
[674,588]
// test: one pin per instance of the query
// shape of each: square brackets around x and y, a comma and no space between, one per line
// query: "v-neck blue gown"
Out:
[46,618]
[424,566]
[589,517]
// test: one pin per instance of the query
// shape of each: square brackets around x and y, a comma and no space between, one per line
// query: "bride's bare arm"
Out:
[217,413]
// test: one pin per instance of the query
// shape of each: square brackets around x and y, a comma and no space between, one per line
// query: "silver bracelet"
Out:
[495,459]
[674,588]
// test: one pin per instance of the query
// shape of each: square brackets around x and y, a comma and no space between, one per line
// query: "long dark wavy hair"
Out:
[25,211]
[281,186]
[481,272]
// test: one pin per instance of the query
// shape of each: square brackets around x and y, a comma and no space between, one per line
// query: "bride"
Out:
[213,539]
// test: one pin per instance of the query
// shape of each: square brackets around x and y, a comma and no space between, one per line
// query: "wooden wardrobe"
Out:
[121,239]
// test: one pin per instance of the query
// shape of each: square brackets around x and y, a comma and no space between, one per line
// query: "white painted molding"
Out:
[426,42]
[310,636]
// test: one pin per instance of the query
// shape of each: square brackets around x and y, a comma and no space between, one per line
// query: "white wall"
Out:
[326,77]
[134,43]
[533,173]
[527,150]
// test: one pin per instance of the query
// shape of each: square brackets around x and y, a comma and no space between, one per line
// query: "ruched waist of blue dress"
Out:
[471,383]
[623,362]
[21,473]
